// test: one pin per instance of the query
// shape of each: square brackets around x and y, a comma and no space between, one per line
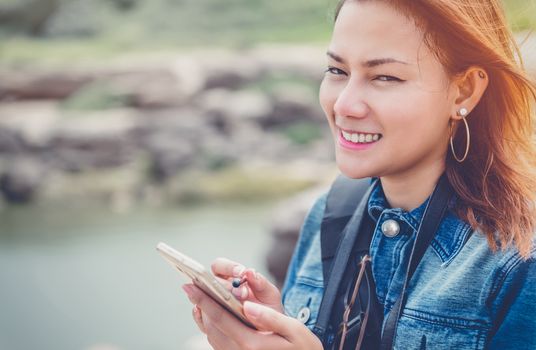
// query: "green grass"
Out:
[236,184]
[95,96]
[172,24]
[302,133]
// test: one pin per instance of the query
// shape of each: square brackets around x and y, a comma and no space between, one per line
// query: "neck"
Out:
[409,191]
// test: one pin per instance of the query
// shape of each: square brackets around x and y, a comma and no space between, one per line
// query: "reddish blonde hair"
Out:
[496,184]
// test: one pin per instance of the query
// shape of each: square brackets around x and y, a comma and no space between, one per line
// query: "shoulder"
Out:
[513,270]
[303,288]
[307,250]
[313,220]
[308,244]
[511,301]
[504,273]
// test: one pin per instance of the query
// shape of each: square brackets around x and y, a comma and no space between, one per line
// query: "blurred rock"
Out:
[27,16]
[286,222]
[203,110]
[21,179]
[235,106]
[305,61]
[27,125]
[169,155]
[157,85]
[293,103]
[94,140]
[228,70]
[26,85]
[10,142]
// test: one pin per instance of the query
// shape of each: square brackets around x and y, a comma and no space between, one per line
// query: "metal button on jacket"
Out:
[304,314]
[390,228]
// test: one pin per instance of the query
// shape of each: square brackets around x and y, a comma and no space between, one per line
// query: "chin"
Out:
[352,170]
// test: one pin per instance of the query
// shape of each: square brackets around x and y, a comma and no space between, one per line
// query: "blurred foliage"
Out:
[236,184]
[96,96]
[521,14]
[302,132]
[272,83]
[62,30]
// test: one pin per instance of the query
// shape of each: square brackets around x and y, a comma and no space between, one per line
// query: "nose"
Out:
[351,102]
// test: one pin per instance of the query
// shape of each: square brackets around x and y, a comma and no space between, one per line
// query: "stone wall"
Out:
[203,110]
[147,120]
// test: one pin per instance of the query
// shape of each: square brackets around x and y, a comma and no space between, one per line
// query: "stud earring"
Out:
[463,112]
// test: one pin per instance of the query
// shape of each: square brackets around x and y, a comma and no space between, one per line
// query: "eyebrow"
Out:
[370,63]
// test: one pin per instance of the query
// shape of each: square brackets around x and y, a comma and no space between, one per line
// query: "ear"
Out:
[469,88]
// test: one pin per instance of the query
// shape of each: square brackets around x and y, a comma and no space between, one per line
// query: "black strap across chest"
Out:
[340,227]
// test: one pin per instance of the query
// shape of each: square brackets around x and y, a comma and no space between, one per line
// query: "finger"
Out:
[198,318]
[257,340]
[241,293]
[265,318]
[220,317]
[226,268]
[264,291]
[225,282]
[216,338]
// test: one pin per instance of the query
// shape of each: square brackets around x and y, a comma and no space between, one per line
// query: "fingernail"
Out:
[237,270]
[253,310]
[244,293]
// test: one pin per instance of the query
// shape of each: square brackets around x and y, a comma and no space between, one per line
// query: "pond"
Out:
[82,277]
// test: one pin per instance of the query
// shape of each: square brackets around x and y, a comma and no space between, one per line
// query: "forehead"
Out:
[373,28]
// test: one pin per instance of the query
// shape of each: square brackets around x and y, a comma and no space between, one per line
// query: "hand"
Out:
[257,289]
[226,332]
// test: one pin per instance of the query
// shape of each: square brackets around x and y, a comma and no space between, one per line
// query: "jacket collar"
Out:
[452,232]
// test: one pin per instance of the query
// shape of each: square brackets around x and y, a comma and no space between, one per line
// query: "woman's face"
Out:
[387,98]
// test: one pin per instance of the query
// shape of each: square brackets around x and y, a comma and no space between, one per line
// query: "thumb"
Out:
[267,319]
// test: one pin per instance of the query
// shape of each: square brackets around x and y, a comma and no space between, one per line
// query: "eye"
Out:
[335,71]
[387,78]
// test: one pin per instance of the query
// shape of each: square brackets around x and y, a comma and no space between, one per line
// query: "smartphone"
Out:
[203,279]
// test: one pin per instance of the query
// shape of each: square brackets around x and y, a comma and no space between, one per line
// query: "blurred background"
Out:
[127,122]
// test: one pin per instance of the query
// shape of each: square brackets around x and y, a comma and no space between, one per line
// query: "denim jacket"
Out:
[462,295]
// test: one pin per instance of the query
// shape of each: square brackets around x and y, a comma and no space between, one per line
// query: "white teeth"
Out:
[360,138]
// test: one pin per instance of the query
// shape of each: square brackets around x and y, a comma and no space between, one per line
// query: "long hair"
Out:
[496,184]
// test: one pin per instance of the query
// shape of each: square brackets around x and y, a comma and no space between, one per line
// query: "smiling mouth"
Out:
[360,138]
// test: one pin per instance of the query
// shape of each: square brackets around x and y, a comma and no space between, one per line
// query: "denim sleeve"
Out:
[516,321]
[309,229]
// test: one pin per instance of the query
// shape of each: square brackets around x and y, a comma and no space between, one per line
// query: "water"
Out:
[85,278]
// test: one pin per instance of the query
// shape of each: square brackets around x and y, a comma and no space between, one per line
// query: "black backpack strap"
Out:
[338,234]
[341,203]
[437,205]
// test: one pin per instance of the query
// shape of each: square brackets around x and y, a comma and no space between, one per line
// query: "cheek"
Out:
[420,121]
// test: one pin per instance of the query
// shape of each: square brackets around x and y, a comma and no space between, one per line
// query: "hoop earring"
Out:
[463,113]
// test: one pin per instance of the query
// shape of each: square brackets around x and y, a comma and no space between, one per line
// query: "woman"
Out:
[415,89]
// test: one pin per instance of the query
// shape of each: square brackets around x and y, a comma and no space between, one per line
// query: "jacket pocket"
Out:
[425,331]
[303,299]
